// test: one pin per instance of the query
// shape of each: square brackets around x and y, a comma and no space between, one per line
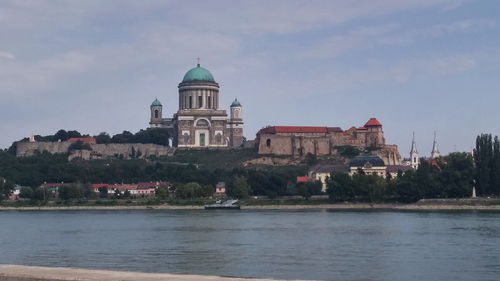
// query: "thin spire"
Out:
[413,144]
[198,62]
[435,151]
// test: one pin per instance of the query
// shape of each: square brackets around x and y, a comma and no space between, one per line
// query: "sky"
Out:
[96,65]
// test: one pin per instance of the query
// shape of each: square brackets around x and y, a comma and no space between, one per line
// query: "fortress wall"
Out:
[98,150]
[29,148]
[125,149]
[316,146]
[280,145]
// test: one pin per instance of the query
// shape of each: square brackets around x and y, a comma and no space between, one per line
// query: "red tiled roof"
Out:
[85,140]
[302,179]
[334,129]
[97,185]
[293,129]
[373,122]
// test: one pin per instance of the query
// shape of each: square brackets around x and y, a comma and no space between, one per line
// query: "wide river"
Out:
[326,245]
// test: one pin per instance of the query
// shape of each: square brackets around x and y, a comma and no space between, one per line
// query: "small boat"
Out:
[229,204]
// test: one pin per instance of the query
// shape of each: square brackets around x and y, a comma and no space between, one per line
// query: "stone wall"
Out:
[98,151]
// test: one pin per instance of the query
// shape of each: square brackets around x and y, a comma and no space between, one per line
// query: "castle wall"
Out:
[98,150]
[279,145]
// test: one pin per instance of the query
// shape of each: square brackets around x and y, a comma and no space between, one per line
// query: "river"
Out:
[306,244]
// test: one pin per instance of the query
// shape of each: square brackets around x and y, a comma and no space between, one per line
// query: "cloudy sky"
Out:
[96,65]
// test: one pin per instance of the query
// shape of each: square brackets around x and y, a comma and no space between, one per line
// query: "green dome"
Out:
[235,103]
[156,102]
[198,74]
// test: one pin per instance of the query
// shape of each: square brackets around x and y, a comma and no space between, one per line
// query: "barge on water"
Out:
[229,204]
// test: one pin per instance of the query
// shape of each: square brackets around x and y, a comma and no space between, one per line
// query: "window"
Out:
[156,113]
[202,139]
[268,143]
[200,101]
[190,102]
[202,123]
[209,102]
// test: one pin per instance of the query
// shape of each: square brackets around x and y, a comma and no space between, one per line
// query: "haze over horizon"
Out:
[96,66]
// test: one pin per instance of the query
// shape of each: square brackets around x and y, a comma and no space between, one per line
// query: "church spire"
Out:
[414,159]
[435,151]
[413,145]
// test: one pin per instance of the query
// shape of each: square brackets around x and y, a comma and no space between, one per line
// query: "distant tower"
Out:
[32,138]
[156,114]
[435,151]
[235,125]
[414,159]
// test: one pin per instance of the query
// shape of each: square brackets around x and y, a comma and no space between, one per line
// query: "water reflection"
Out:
[326,245]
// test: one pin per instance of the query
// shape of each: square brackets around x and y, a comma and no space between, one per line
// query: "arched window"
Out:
[268,143]
[156,113]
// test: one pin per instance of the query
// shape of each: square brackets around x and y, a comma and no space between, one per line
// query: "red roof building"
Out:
[293,129]
[373,122]
[302,179]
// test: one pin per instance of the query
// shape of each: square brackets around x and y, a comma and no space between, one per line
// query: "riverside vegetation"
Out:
[451,176]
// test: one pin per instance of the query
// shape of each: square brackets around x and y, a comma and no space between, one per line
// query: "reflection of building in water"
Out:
[199,122]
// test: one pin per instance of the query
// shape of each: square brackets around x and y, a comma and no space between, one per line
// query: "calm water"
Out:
[281,244]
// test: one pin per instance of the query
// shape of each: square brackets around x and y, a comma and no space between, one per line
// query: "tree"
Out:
[27,193]
[495,168]
[117,194]
[340,187]
[457,175]
[68,192]
[79,145]
[103,138]
[347,151]
[6,188]
[240,188]
[126,194]
[314,187]
[483,155]
[303,190]
[103,191]
[311,159]
[188,190]
[161,192]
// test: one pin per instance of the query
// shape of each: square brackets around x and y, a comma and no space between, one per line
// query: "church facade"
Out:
[199,122]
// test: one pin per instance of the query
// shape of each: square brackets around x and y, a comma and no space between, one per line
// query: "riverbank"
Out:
[38,273]
[335,206]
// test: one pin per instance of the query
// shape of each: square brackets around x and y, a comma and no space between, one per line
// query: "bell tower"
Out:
[435,151]
[414,159]
[235,125]
[156,114]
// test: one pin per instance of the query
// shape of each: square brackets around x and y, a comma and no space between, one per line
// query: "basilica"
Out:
[199,122]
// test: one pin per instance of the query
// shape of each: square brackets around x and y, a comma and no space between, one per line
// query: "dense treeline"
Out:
[150,135]
[447,177]
[45,167]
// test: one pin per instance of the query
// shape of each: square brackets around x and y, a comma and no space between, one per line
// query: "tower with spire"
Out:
[414,159]
[435,151]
